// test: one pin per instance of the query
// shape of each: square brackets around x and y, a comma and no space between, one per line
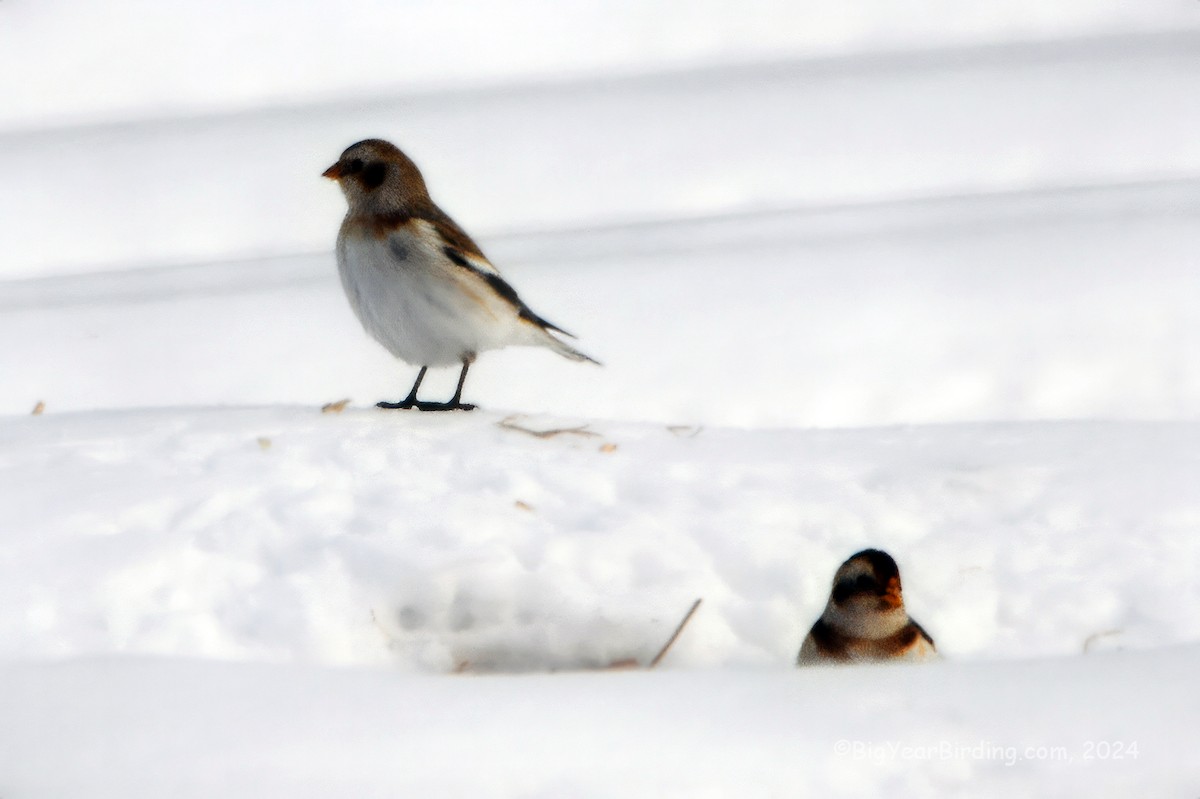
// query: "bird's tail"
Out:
[552,341]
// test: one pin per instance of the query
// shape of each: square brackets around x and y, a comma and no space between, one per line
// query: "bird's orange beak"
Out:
[334,172]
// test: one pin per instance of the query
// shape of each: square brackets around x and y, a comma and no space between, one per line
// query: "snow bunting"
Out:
[417,281]
[865,619]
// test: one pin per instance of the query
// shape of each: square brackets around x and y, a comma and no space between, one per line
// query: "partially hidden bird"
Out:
[865,619]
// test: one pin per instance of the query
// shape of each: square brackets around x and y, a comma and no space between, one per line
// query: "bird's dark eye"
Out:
[355,166]
[865,583]
[374,175]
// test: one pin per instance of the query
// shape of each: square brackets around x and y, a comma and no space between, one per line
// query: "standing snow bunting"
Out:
[865,619]
[417,281]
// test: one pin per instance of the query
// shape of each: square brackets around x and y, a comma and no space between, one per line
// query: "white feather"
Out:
[423,307]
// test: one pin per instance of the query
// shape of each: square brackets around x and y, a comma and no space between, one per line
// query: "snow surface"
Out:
[1028,307]
[189,729]
[285,535]
[862,274]
[435,545]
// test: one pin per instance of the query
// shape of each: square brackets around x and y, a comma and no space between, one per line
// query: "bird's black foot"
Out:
[444,406]
[403,405]
[452,404]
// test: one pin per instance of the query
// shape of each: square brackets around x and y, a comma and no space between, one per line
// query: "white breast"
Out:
[422,307]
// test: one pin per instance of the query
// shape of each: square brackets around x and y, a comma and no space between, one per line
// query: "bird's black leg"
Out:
[456,400]
[411,400]
[455,403]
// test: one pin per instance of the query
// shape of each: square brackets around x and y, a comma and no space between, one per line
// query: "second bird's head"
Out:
[868,582]
[375,175]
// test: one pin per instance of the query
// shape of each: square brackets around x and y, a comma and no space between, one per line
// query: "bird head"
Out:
[868,580]
[375,175]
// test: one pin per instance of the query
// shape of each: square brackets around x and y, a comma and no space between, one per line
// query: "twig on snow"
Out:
[1094,637]
[387,636]
[662,653]
[685,430]
[508,423]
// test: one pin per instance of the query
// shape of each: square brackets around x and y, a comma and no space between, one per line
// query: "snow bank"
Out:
[433,543]
[1108,725]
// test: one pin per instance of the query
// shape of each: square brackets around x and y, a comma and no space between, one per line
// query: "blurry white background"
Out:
[758,213]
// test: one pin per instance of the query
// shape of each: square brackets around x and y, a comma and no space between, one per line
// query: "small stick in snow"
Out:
[662,653]
[508,423]
[685,430]
[391,640]
[1094,637]
[335,407]
[39,409]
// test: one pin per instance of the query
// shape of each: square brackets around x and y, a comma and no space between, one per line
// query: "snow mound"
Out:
[442,542]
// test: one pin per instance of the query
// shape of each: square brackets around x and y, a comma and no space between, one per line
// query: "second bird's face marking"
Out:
[868,580]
